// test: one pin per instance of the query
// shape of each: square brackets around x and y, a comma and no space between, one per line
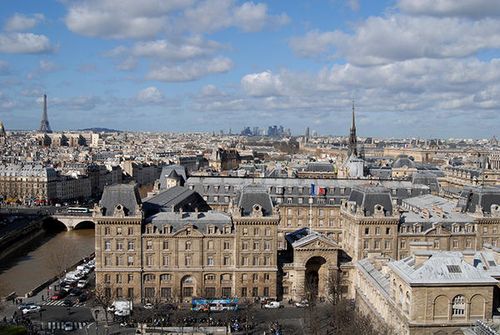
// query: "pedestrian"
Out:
[43,298]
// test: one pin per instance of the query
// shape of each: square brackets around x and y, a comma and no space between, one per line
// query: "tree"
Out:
[103,298]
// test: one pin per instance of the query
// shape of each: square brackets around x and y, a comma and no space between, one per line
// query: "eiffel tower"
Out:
[44,123]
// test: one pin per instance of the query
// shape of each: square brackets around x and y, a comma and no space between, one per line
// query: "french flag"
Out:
[313,190]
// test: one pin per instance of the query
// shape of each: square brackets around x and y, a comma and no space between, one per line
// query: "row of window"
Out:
[119,230]
[436,244]
[377,230]
[377,243]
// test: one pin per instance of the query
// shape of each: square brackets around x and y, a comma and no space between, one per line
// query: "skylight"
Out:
[454,269]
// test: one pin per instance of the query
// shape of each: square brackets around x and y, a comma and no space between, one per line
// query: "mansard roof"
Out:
[367,197]
[254,195]
[125,195]
[479,197]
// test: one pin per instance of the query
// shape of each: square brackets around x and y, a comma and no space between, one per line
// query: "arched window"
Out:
[458,306]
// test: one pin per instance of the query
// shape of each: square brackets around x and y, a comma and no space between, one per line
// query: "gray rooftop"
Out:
[126,195]
[252,195]
[199,220]
[442,268]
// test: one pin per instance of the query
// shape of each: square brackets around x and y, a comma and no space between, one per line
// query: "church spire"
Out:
[353,140]
[353,126]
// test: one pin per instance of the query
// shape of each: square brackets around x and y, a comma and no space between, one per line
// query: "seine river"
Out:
[42,259]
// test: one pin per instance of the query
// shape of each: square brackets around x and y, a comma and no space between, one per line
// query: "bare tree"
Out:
[103,298]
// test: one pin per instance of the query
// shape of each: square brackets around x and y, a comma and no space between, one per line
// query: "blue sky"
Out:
[427,68]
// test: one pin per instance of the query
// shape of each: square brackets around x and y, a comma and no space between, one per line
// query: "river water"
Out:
[42,259]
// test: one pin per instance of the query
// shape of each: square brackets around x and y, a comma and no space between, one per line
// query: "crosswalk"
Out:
[60,325]
[58,303]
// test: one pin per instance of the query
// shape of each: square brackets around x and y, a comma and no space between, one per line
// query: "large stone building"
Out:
[178,255]
[273,237]
[427,293]
[27,183]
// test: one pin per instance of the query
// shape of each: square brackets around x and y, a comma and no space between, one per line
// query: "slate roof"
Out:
[402,161]
[126,195]
[426,178]
[254,195]
[166,171]
[320,167]
[199,220]
[294,190]
[442,268]
[367,197]
[483,196]
[174,197]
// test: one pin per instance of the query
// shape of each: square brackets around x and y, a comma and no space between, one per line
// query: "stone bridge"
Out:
[73,220]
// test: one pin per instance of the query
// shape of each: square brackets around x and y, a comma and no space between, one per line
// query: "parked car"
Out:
[273,304]
[302,304]
[82,283]
[75,291]
[68,326]
[58,295]
[25,305]
[31,309]
[148,305]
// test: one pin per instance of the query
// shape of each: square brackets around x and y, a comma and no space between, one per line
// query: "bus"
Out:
[78,210]
[214,304]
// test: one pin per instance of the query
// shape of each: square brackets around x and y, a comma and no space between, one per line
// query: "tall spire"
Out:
[44,123]
[353,140]
[353,126]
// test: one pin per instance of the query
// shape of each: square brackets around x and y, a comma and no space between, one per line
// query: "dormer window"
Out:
[227,229]
[211,230]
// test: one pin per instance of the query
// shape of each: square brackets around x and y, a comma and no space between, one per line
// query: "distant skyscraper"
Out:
[353,140]
[44,123]
[306,135]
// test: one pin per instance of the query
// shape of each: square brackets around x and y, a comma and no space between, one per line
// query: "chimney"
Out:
[420,250]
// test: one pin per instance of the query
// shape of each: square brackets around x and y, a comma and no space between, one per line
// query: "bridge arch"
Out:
[86,224]
[74,221]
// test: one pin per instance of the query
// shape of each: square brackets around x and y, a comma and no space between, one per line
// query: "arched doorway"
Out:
[315,277]
[188,287]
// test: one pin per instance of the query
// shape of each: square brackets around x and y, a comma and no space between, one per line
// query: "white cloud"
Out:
[314,43]
[20,22]
[189,71]
[147,18]
[150,95]
[213,15]
[24,43]
[464,8]
[193,47]
[211,91]
[262,84]
[382,40]
[254,17]
[120,18]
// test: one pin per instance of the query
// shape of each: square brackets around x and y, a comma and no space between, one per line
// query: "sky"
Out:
[426,68]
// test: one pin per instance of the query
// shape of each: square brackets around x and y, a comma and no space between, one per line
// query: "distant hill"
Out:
[101,130]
